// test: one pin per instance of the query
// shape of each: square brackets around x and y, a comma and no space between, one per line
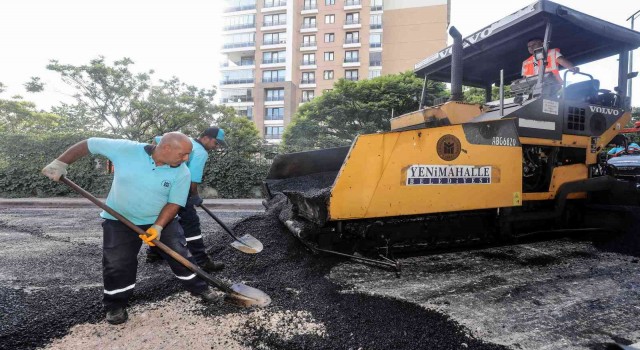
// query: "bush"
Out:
[234,175]
[22,157]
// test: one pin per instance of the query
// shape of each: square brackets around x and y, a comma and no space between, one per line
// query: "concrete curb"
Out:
[227,204]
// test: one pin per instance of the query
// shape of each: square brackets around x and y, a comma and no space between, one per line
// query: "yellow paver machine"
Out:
[457,172]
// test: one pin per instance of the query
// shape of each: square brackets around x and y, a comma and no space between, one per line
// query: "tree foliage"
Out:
[19,116]
[355,107]
[121,102]
[477,95]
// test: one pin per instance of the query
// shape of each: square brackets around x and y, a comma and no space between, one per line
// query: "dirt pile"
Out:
[297,282]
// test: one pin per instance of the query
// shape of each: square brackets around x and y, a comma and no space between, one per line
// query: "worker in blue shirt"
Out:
[150,184]
[209,139]
[618,150]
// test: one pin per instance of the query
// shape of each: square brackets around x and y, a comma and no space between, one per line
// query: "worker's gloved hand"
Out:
[195,200]
[55,170]
[153,232]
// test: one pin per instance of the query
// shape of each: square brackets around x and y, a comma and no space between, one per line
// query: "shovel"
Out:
[237,293]
[246,244]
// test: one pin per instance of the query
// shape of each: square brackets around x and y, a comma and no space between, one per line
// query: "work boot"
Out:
[211,266]
[117,316]
[208,296]
[153,257]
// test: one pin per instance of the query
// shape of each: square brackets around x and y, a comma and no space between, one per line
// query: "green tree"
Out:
[34,85]
[353,108]
[477,95]
[18,116]
[130,105]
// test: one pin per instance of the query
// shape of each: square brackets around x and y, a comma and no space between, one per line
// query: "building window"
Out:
[275,3]
[308,78]
[275,20]
[273,132]
[375,22]
[328,19]
[329,2]
[351,74]
[352,38]
[308,59]
[376,5]
[329,37]
[274,38]
[375,40]
[275,113]
[245,112]
[236,95]
[328,56]
[273,57]
[328,75]
[307,95]
[353,18]
[239,40]
[239,22]
[309,22]
[310,5]
[374,73]
[271,76]
[351,56]
[308,40]
[274,94]
[375,59]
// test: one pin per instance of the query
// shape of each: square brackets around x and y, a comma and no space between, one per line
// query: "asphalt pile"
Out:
[297,281]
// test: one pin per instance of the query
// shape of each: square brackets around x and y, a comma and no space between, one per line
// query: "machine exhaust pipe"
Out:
[456,65]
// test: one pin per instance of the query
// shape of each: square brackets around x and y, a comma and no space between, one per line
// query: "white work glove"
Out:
[55,170]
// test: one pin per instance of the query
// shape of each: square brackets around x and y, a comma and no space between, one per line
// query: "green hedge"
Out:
[22,157]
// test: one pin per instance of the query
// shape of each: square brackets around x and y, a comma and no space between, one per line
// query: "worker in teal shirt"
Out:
[150,184]
[210,139]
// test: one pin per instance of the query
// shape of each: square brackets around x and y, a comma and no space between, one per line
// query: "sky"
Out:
[183,38]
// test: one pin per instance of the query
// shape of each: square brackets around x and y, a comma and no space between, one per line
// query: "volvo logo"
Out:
[610,111]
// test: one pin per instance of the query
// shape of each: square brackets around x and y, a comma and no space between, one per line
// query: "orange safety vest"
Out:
[530,66]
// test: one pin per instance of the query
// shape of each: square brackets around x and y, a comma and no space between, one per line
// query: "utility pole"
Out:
[632,18]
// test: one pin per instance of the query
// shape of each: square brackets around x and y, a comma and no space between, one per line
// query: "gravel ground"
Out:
[565,293]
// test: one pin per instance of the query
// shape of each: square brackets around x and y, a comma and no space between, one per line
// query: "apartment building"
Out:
[280,54]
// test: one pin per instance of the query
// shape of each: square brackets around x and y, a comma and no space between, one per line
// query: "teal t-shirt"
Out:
[197,159]
[140,189]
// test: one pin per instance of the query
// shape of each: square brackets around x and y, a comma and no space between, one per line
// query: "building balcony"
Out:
[308,28]
[352,4]
[274,61]
[352,24]
[244,46]
[309,46]
[375,45]
[274,44]
[236,99]
[274,98]
[308,62]
[274,25]
[351,78]
[351,59]
[239,8]
[375,63]
[273,136]
[239,26]
[307,81]
[274,117]
[374,26]
[375,8]
[237,65]
[306,99]
[273,79]
[237,81]
[351,43]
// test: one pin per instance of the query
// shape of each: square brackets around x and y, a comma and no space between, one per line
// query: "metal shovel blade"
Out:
[247,244]
[246,296]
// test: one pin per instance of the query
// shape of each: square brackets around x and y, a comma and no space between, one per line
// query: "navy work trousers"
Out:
[120,260]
